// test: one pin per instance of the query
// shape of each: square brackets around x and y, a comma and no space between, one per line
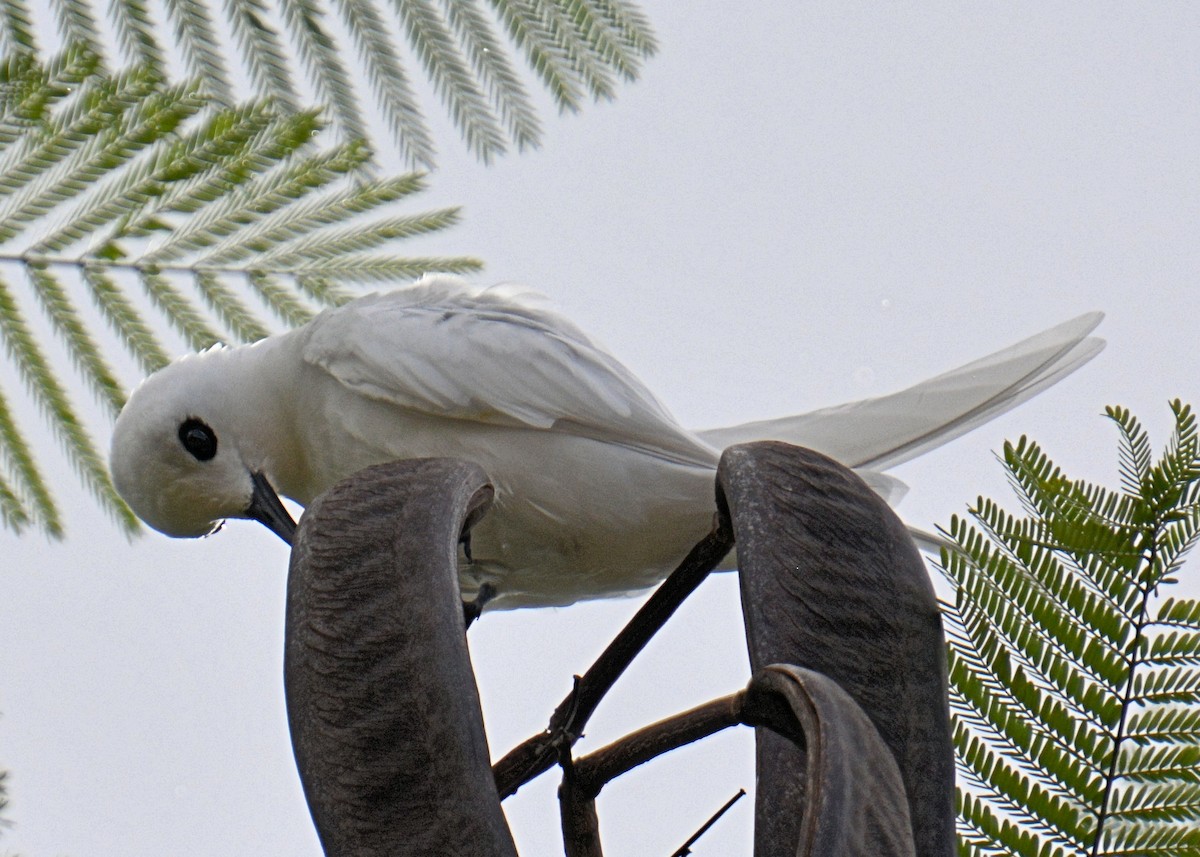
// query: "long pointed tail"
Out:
[874,434]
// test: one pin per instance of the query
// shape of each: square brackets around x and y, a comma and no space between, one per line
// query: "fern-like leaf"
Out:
[195,33]
[263,50]
[433,43]
[529,33]
[352,52]
[140,35]
[27,499]
[46,389]
[79,26]
[296,222]
[393,92]
[17,28]
[1076,698]
[161,205]
[495,73]
[322,56]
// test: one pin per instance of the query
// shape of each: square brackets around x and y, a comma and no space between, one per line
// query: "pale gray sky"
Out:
[799,204]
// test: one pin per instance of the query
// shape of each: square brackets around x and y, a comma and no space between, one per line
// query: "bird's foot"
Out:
[473,609]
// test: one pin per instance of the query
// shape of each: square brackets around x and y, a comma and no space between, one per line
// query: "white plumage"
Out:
[598,490]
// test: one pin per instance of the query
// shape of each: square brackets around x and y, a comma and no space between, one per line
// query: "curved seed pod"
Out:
[831,582]
[382,702]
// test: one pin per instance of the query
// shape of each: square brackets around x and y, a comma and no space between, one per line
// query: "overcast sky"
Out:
[799,204]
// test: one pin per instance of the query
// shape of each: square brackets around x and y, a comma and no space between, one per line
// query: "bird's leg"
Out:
[473,609]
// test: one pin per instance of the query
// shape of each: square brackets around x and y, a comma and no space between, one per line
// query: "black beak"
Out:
[266,508]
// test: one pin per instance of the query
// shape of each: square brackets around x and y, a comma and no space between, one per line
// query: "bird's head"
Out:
[178,458]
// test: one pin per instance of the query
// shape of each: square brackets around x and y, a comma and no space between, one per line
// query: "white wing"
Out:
[494,356]
[883,432]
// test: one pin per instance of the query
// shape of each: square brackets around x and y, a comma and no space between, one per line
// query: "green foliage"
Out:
[136,196]
[1074,683]
[340,48]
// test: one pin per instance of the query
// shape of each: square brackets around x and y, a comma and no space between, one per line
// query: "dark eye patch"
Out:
[198,439]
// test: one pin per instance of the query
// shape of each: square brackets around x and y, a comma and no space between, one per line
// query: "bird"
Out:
[599,491]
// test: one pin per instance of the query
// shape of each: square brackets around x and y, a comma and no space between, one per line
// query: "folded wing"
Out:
[495,356]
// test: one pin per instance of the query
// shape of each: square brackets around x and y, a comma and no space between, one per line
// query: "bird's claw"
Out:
[473,609]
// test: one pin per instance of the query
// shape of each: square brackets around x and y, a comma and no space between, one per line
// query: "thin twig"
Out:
[538,754]
[686,848]
[595,770]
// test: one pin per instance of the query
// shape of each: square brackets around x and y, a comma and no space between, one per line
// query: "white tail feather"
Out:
[879,433]
[875,434]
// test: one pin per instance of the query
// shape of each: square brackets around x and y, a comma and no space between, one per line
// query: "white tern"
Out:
[599,491]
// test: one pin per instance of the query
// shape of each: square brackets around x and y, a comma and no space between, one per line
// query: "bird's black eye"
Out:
[198,439]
